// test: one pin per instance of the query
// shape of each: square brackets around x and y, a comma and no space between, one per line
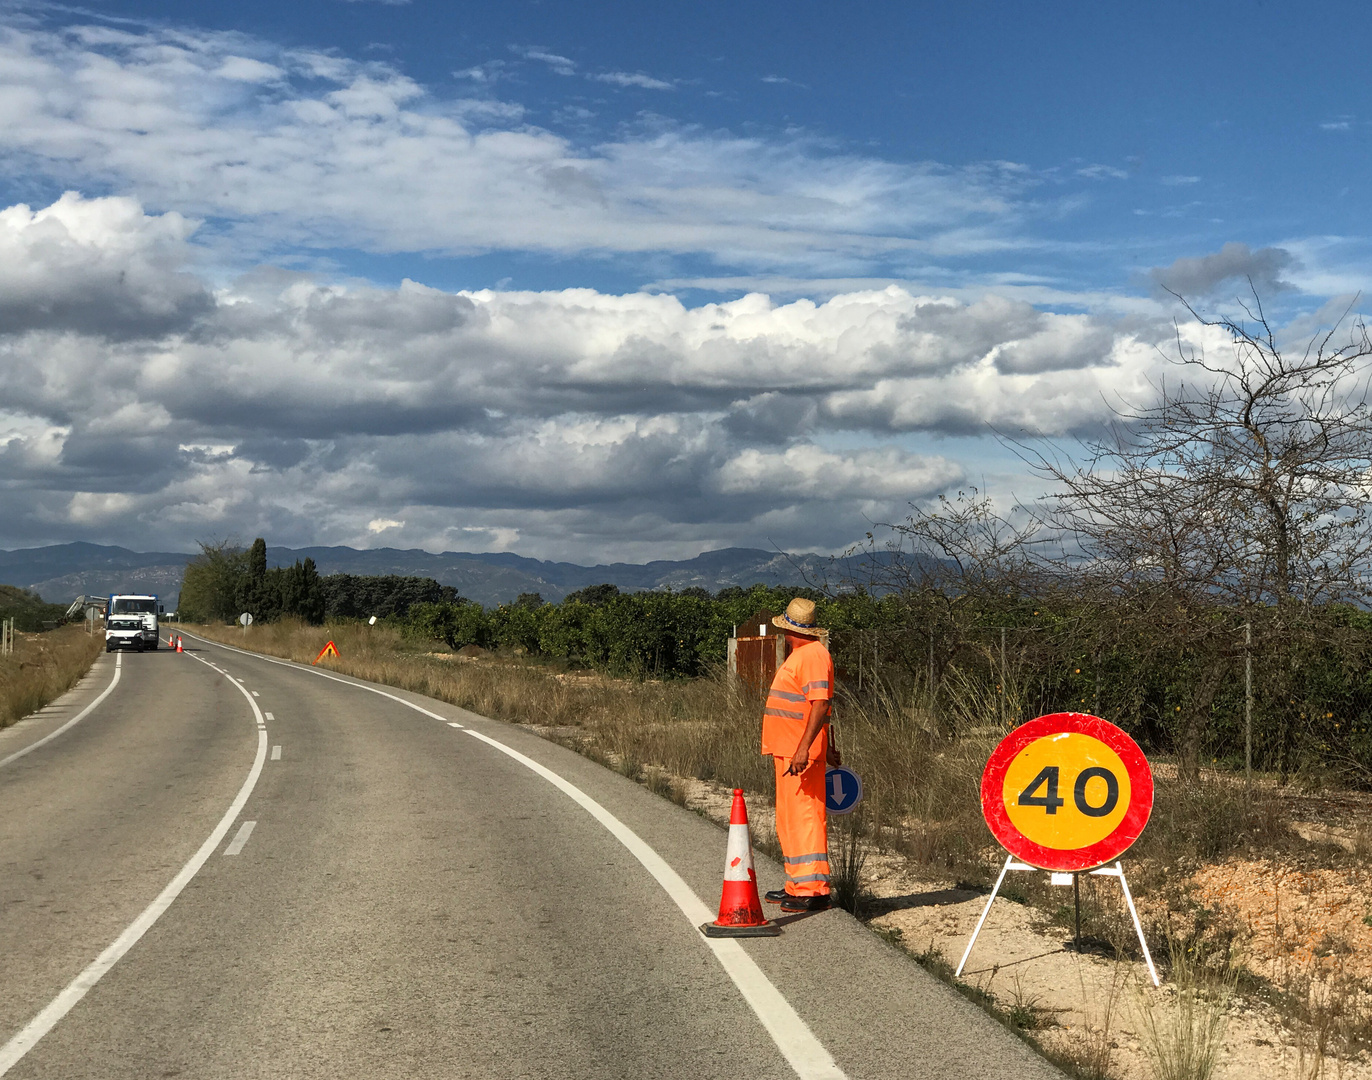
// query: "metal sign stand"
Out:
[1058,879]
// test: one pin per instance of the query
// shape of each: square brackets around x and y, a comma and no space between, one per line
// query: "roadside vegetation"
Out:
[28,610]
[44,666]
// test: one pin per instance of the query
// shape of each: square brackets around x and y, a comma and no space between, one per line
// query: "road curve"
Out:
[409,901]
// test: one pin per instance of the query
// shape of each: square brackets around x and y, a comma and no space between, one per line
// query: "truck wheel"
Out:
[109,648]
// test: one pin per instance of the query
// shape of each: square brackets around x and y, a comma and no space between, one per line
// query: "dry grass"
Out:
[1183,1040]
[43,667]
[921,787]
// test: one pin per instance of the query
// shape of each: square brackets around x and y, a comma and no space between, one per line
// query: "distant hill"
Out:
[63,571]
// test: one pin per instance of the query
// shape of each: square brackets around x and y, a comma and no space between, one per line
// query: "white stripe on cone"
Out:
[738,859]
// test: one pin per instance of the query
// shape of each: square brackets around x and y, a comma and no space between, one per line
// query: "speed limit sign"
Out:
[1067,792]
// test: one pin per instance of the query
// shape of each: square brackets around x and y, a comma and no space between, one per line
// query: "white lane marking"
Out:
[276,753]
[240,838]
[324,675]
[792,1035]
[269,716]
[256,694]
[63,1003]
[118,666]
[454,723]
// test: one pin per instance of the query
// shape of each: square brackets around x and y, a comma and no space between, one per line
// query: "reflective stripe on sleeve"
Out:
[817,684]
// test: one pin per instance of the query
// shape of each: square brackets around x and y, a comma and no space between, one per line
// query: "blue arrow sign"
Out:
[842,790]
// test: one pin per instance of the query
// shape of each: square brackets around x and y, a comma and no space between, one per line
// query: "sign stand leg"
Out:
[986,911]
[1129,899]
[1076,908]
[1116,871]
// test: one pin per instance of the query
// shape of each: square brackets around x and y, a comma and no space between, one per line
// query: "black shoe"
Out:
[805,903]
[776,896]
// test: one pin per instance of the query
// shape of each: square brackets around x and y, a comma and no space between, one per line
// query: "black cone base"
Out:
[767,929]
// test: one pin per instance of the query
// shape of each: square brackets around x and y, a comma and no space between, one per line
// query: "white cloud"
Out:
[560,64]
[1102,172]
[624,78]
[588,424]
[807,471]
[246,69]
[96,265]
[288,147]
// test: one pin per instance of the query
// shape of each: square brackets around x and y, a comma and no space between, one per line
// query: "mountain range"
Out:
[61,572]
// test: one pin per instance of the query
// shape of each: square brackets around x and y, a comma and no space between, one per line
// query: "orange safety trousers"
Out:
[802,822]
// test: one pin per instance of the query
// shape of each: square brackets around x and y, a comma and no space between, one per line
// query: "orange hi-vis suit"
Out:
[802,824]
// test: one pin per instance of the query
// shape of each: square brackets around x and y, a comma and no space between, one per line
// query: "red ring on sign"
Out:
[1097,854]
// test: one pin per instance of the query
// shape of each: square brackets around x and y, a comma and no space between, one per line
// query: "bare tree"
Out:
[954,564]
[1244,487]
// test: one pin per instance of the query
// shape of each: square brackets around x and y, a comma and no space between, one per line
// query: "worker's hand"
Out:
[832,757]
[800,761]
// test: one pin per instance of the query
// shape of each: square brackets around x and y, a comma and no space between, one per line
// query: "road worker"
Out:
[795,732]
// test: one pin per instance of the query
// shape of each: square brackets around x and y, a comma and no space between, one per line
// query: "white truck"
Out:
[131,622]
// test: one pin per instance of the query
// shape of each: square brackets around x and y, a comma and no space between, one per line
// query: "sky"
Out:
[613,281]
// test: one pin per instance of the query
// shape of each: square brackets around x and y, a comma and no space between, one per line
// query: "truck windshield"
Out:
[124,606]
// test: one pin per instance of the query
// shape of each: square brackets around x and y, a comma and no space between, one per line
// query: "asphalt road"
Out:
[412,900]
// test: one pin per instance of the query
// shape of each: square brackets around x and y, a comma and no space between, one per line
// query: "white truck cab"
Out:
[131,621]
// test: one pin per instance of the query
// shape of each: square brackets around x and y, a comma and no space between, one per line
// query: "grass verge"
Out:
[44,666]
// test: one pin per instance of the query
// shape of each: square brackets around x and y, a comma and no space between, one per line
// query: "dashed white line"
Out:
[793,1037]
[276,753]
[269,716]
[454,723]
[240,838]
[118,666]
[14,1050]
[256,694]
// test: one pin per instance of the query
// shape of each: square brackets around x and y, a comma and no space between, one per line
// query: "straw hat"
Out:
[799,619]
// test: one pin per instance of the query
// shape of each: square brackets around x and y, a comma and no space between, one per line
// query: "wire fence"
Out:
[1291,701]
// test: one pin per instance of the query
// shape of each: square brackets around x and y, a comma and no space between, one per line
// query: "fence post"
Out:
[1095,699]
[1248,701]
[933,686]
[1002,676]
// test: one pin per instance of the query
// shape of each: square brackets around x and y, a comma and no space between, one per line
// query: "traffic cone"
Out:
[171,641]
[178,644]
[740,907]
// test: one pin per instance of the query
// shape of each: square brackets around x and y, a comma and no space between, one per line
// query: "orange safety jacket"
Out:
[806,675]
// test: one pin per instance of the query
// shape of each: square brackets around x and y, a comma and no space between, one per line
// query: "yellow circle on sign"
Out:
[1050,803]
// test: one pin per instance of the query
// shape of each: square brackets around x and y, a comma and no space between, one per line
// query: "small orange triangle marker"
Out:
[328,650]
